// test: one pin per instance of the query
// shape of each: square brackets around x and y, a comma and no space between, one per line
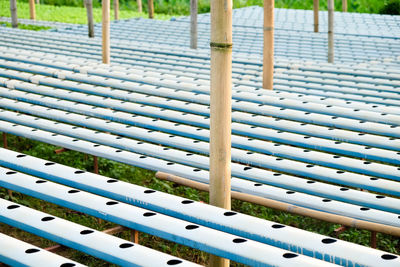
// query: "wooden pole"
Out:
[268,52]
[151,8]
[373,239]
[95,165]
[14,17]
[134,236]
[116,9]
[37,2]
[5,143]
[139,4]
[106,30]
[193,24]
[274,204]
[220,109]
[316,18]
[344,5]
[32,9]
[89,13]
[331,53]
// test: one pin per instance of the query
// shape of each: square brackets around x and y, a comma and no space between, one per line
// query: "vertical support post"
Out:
[331,52]
[89,13]
[5,143]
[139,5]
[150,5]
[316,13]
[95,165]
[373,239]
[193,24]
[106,30]
[344,5]
[135,236]
[32,9]
[268,51]
[116,9]
[37,2]
[14,17]
[220,109]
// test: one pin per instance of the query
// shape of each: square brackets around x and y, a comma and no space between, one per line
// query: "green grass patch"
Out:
[68,14]
[25,26]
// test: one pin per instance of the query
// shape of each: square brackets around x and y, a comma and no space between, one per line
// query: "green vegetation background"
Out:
[72,11]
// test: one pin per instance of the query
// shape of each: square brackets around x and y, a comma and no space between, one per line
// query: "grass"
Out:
[67,14]
[25,27]
[146,178]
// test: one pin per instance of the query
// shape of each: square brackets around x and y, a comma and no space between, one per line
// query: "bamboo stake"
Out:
[106,30]
[373,239]
[316,13]
[193,24]
[14,17]
[220,109]
[135,236]
[344,5]
[5,143]
[330,31]
[95,165]
[116,9]
[32,9]
[151,8]
[89,13]
[268,52]
[139,4]
[274,204]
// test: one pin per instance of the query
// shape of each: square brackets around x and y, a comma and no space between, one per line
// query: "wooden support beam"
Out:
[331,9]
[139,4]
[135,236]
[373,239]
[5,142]
[344,5]
[32,9]
[268,50]
[14,16]
[274,204]
[316,15]
[95,165]
[220,109]
[340,230]
[150,5]
[89,14]
[106,30]
[61,150]
[193,24]
[116,9]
